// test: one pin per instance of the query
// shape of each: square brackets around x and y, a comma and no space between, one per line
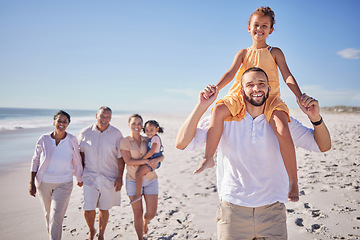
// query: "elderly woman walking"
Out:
[55,161]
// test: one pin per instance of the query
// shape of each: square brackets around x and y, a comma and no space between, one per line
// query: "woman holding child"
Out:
[133,148]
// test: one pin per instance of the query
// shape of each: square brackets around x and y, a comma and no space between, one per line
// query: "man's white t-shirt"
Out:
[250,169]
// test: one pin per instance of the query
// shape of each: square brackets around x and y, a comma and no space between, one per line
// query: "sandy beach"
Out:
[329,206]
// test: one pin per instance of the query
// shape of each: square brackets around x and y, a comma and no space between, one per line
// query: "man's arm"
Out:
[119,180]
[188,129]
[310,107]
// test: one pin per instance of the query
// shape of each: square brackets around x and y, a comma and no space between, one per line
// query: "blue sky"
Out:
[157,55]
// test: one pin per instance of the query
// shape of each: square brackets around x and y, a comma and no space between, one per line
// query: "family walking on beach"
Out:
[250,128]
[97,159]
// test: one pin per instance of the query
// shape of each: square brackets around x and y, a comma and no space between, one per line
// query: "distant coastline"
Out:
[49,111]
[341,109]
[26,118]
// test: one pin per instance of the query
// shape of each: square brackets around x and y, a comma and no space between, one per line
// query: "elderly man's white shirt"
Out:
[102,151]
[250,169]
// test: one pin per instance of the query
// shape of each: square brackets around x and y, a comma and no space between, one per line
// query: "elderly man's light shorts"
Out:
[148,187]
[101,194]
[236,222]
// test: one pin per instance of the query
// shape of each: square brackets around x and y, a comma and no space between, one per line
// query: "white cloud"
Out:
[349,53]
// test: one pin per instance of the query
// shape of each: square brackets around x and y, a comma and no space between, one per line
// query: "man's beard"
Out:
[253,102]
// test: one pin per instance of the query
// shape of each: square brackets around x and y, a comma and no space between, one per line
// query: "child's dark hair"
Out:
[264,11]
[61,112]
[155,124]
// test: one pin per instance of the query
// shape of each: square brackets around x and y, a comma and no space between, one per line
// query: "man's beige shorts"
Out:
[101,194]
[236,222]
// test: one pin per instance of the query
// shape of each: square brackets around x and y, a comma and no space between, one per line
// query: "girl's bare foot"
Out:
[207,162]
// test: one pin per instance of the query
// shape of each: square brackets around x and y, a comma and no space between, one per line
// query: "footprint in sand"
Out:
[299,222]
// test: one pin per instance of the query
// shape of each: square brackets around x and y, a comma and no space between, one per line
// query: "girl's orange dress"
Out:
[263,59]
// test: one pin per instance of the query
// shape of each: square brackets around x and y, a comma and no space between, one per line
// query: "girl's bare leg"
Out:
[139,177]
[218,116]
[279,123]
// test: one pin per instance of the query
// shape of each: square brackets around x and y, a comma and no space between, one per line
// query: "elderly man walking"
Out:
[103,170]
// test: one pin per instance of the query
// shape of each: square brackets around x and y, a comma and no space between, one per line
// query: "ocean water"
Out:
[26,118]
[20,128]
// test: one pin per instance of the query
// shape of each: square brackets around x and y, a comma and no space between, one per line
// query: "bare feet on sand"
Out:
[91,234]
[293,195]
[207,162]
